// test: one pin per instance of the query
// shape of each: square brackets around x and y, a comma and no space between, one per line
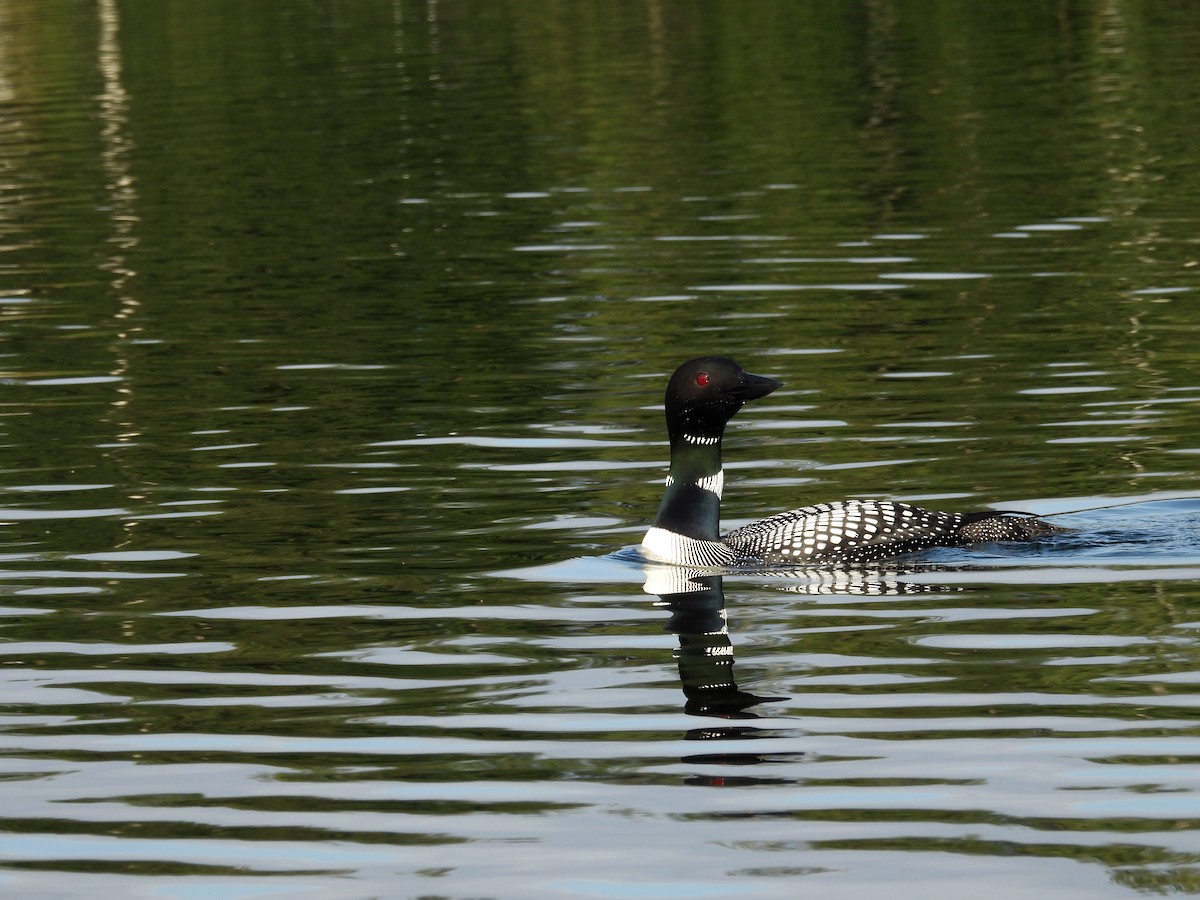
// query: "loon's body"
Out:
[702,396]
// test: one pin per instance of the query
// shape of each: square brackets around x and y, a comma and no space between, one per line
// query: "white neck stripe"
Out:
[712,483]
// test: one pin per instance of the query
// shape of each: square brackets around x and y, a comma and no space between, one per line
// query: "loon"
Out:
[702,396]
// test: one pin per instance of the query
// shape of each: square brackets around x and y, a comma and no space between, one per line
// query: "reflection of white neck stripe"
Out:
[714,483]
[696,439]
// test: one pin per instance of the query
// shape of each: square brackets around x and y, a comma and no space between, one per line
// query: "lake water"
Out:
[334,338]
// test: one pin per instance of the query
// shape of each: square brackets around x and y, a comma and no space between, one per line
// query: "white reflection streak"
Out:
[14,131]
[7,92]
[115,146]
[114,156]
[114,117]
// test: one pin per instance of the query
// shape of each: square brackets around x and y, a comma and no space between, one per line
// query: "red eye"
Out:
[702,379]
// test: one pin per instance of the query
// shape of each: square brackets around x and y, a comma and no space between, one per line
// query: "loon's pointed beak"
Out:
[751,387]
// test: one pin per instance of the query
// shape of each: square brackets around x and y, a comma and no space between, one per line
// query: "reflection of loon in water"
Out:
[705,653]
[696,601]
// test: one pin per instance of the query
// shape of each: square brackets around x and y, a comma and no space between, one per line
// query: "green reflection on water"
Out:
[354,302]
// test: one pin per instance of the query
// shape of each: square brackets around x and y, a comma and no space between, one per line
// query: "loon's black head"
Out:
[705,393]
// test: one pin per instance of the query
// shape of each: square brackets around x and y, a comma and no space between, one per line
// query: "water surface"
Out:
[334,340]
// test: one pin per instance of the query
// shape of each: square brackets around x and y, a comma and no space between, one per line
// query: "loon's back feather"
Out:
[867,530]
